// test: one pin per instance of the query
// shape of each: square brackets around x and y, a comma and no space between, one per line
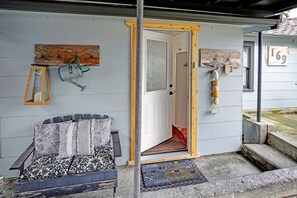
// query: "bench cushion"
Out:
[102,160]
[46,167]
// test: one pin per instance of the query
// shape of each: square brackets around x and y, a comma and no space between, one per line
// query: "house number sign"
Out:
[278,55]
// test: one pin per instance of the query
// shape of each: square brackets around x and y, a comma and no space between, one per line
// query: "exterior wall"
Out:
[221,132]
[278,82]
[108,86]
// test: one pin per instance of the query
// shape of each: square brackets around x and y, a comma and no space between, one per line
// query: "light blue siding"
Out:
[219,133]
[108,86]
[278,82]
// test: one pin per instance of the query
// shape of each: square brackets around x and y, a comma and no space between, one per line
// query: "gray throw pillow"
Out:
[85,138]
[102,132]
[68,136]
[46,139]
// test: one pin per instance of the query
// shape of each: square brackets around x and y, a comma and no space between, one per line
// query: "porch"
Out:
[228,175]
[111,89]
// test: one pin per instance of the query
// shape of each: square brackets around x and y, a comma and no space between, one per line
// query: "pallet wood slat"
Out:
[116,144]
[23,157]
[73,189]
[68,180]
[57,55]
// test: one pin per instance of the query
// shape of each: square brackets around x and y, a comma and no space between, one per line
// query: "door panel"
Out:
[156,73]
[156,101]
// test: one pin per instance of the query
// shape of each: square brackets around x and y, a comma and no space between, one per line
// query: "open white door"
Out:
[157,101]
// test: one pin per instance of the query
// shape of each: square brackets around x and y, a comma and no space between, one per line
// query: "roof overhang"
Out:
[218,11]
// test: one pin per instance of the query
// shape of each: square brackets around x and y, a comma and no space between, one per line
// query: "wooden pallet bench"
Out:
[71,183]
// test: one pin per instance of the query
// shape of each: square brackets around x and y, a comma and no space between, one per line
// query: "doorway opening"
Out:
[166,84]
[192,131]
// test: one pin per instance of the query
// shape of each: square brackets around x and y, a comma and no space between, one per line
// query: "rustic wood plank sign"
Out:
[57,55]
[219,58]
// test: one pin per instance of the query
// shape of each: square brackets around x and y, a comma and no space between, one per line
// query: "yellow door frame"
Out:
[193,28]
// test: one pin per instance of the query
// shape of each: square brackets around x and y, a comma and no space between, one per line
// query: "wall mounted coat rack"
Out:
[57,55]
[216,58]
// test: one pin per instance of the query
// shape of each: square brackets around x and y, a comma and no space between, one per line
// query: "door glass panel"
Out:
[156,73]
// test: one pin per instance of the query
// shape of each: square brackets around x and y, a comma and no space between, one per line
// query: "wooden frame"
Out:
[44,83]
[193,28]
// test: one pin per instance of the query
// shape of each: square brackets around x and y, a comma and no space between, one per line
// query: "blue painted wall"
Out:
[108,86]
[278,84]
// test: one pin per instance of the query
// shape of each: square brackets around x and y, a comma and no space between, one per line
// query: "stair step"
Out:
[284,142]
[266,157]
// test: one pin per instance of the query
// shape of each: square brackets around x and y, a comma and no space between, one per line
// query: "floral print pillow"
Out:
[46,139]
[101,128]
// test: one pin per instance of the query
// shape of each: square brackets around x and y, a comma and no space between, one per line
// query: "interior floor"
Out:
[174,144]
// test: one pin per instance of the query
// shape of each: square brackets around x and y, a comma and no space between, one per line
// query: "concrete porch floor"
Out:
[229,175]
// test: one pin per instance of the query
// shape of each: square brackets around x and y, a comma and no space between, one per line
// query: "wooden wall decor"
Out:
[57,55]
[218,58]
[38,86]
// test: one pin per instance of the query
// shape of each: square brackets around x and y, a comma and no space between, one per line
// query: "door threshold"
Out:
[164,152]
[165,157]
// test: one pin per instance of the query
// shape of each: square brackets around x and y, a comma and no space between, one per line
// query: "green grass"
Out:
[283,122]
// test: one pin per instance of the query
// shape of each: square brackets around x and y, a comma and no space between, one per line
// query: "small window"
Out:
[248,66]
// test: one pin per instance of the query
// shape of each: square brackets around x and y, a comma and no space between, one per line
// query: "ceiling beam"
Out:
[211,2]
[246,4]
[282,6]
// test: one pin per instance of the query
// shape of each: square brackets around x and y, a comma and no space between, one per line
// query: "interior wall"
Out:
[181,91]
[278,82]
[180,83]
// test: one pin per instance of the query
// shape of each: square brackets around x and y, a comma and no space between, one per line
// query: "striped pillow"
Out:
[85,138]
[68,136]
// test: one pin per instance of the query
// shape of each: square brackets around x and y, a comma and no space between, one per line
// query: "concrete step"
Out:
[266,157]
[284,142]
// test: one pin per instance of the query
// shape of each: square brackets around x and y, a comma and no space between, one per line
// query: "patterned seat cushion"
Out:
[102,160]
[46,167]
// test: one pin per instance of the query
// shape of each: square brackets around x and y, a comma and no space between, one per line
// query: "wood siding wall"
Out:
[221,132]
[107,89]
[278,85]
[108,86]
